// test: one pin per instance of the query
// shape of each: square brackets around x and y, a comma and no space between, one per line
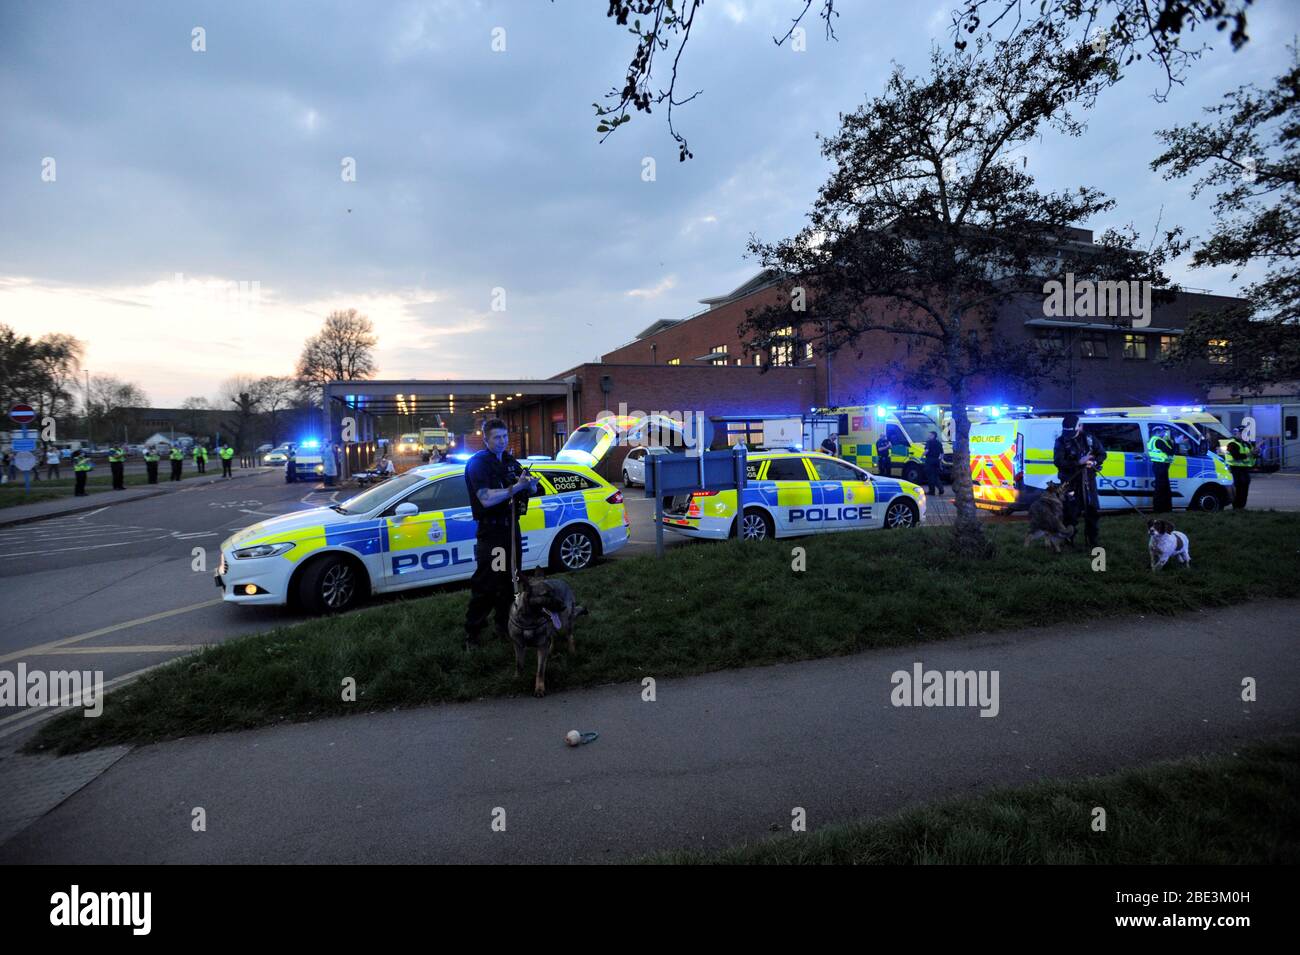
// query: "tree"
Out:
[341,352]
[926,231]
[58,361]
[20,376]
[1129,29]
[278,394]
[242,392]
[108,404]
[196,418]
[1250,155]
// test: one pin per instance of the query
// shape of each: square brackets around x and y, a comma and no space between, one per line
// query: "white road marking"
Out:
[154,648]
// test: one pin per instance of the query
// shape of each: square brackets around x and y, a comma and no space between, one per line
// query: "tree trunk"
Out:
[969,539]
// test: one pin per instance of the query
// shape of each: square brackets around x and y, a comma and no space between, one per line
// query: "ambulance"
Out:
[908,428]
[414,530]
[1011,462]
[791,494]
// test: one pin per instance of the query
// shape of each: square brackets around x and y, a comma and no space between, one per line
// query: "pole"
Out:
[659,506]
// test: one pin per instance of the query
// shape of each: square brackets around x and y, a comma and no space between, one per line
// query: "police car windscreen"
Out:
[918,426]
[371,499]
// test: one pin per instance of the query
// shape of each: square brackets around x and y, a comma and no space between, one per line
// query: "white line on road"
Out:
[153,648]
[40,648]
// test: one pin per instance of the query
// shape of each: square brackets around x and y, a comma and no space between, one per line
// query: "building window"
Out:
[1051,340]
[1217,350]
[758,359]
[783,352]
[807,351]
[674,361]
[1092,344]
[1166,345]
[750,432]
[721,352]
[1135,347]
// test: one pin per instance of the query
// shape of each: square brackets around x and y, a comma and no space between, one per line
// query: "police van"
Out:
[413,531]
[790,494]
[1011,462]
[907,428]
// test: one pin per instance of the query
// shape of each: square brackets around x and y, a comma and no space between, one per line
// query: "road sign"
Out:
[23,414]
[24,460]
[24,444]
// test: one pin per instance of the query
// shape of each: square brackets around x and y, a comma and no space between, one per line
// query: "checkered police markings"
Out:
[64,536]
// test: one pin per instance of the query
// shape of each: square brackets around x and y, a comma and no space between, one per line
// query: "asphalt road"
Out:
[715,760]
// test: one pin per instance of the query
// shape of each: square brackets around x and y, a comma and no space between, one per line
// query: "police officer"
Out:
[226,452]
[200,458]
[883,452]
[117,464]
[177,458]
[1241,458]
[1078,457]
[830,446]
[934,465]
[151,463]
[494,479]
[290,466]
[81,465]
[1160,451]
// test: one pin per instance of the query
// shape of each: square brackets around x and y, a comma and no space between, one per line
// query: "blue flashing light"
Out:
[880,409]
[1196,409]
[461,457]
[994,412]
[1089,410]
[309,443]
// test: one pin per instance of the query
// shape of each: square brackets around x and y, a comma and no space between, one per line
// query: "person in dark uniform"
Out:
[1160,451]
[830,446]
[117,464]
[290,464]
[151,463]
[81,465]
[1078,457]
[934,465]
[494,478]
[883,451]
[1241,458]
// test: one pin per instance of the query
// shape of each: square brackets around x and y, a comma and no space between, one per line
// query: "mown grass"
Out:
[704,606]
[1234,809]
[101,479]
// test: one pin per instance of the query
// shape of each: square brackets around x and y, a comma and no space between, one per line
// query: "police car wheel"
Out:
[573,550]
[755,526]
[1209,500]
[331,585]
[901,514]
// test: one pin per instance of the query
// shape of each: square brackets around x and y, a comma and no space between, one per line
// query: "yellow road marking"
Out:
[41,648]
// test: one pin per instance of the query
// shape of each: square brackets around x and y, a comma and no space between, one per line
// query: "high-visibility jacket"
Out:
[151,457]
[82,463]
[177,455]
[1241,454]
[1159,449]
[116,456]
[227,453]
[200,453]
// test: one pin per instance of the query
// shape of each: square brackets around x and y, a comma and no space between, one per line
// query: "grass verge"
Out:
[101,479]
[705,606]
[1239,809]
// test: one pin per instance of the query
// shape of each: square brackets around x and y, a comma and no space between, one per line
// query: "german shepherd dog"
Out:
[1045,518]
[542,612]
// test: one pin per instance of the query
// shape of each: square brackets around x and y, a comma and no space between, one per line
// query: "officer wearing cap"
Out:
[1160,452]
[81,465]
[117,464]
[1078,457]
[495,479]
[1241,458]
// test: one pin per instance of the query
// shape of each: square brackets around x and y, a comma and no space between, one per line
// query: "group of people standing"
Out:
[82,464]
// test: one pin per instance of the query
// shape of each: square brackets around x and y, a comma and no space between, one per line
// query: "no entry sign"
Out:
[23,414]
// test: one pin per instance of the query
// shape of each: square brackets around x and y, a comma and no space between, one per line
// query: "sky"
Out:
[197,220]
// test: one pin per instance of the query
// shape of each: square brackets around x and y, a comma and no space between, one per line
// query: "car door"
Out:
[792,485]
[846,494]
[634,465]
[437,544]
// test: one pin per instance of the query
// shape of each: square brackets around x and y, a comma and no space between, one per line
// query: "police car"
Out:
[413,531]
[789,494]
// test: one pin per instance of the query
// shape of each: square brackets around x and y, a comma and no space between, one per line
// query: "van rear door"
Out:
[993,471]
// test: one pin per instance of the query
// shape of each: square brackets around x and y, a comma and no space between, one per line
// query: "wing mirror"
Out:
[406,509]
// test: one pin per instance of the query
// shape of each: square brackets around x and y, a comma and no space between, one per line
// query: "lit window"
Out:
[807,351]
[1092,345]
[721,352]
[1135,347]
[783,352]
[1218,350]
[674,361]
[1166,344]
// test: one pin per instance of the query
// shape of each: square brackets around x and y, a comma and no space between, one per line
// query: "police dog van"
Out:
[1011,462]
[907,429]
[413,531]
[789,494]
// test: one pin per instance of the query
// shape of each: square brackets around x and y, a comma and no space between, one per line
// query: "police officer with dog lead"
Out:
[1160,452]
[1078,457]
[494,477]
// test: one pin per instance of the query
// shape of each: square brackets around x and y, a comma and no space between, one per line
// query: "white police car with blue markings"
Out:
[413,531]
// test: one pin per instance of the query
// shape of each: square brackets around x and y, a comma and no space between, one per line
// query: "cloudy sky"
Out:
[178,172]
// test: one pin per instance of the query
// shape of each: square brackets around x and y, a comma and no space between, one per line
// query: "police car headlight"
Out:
[263,550]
